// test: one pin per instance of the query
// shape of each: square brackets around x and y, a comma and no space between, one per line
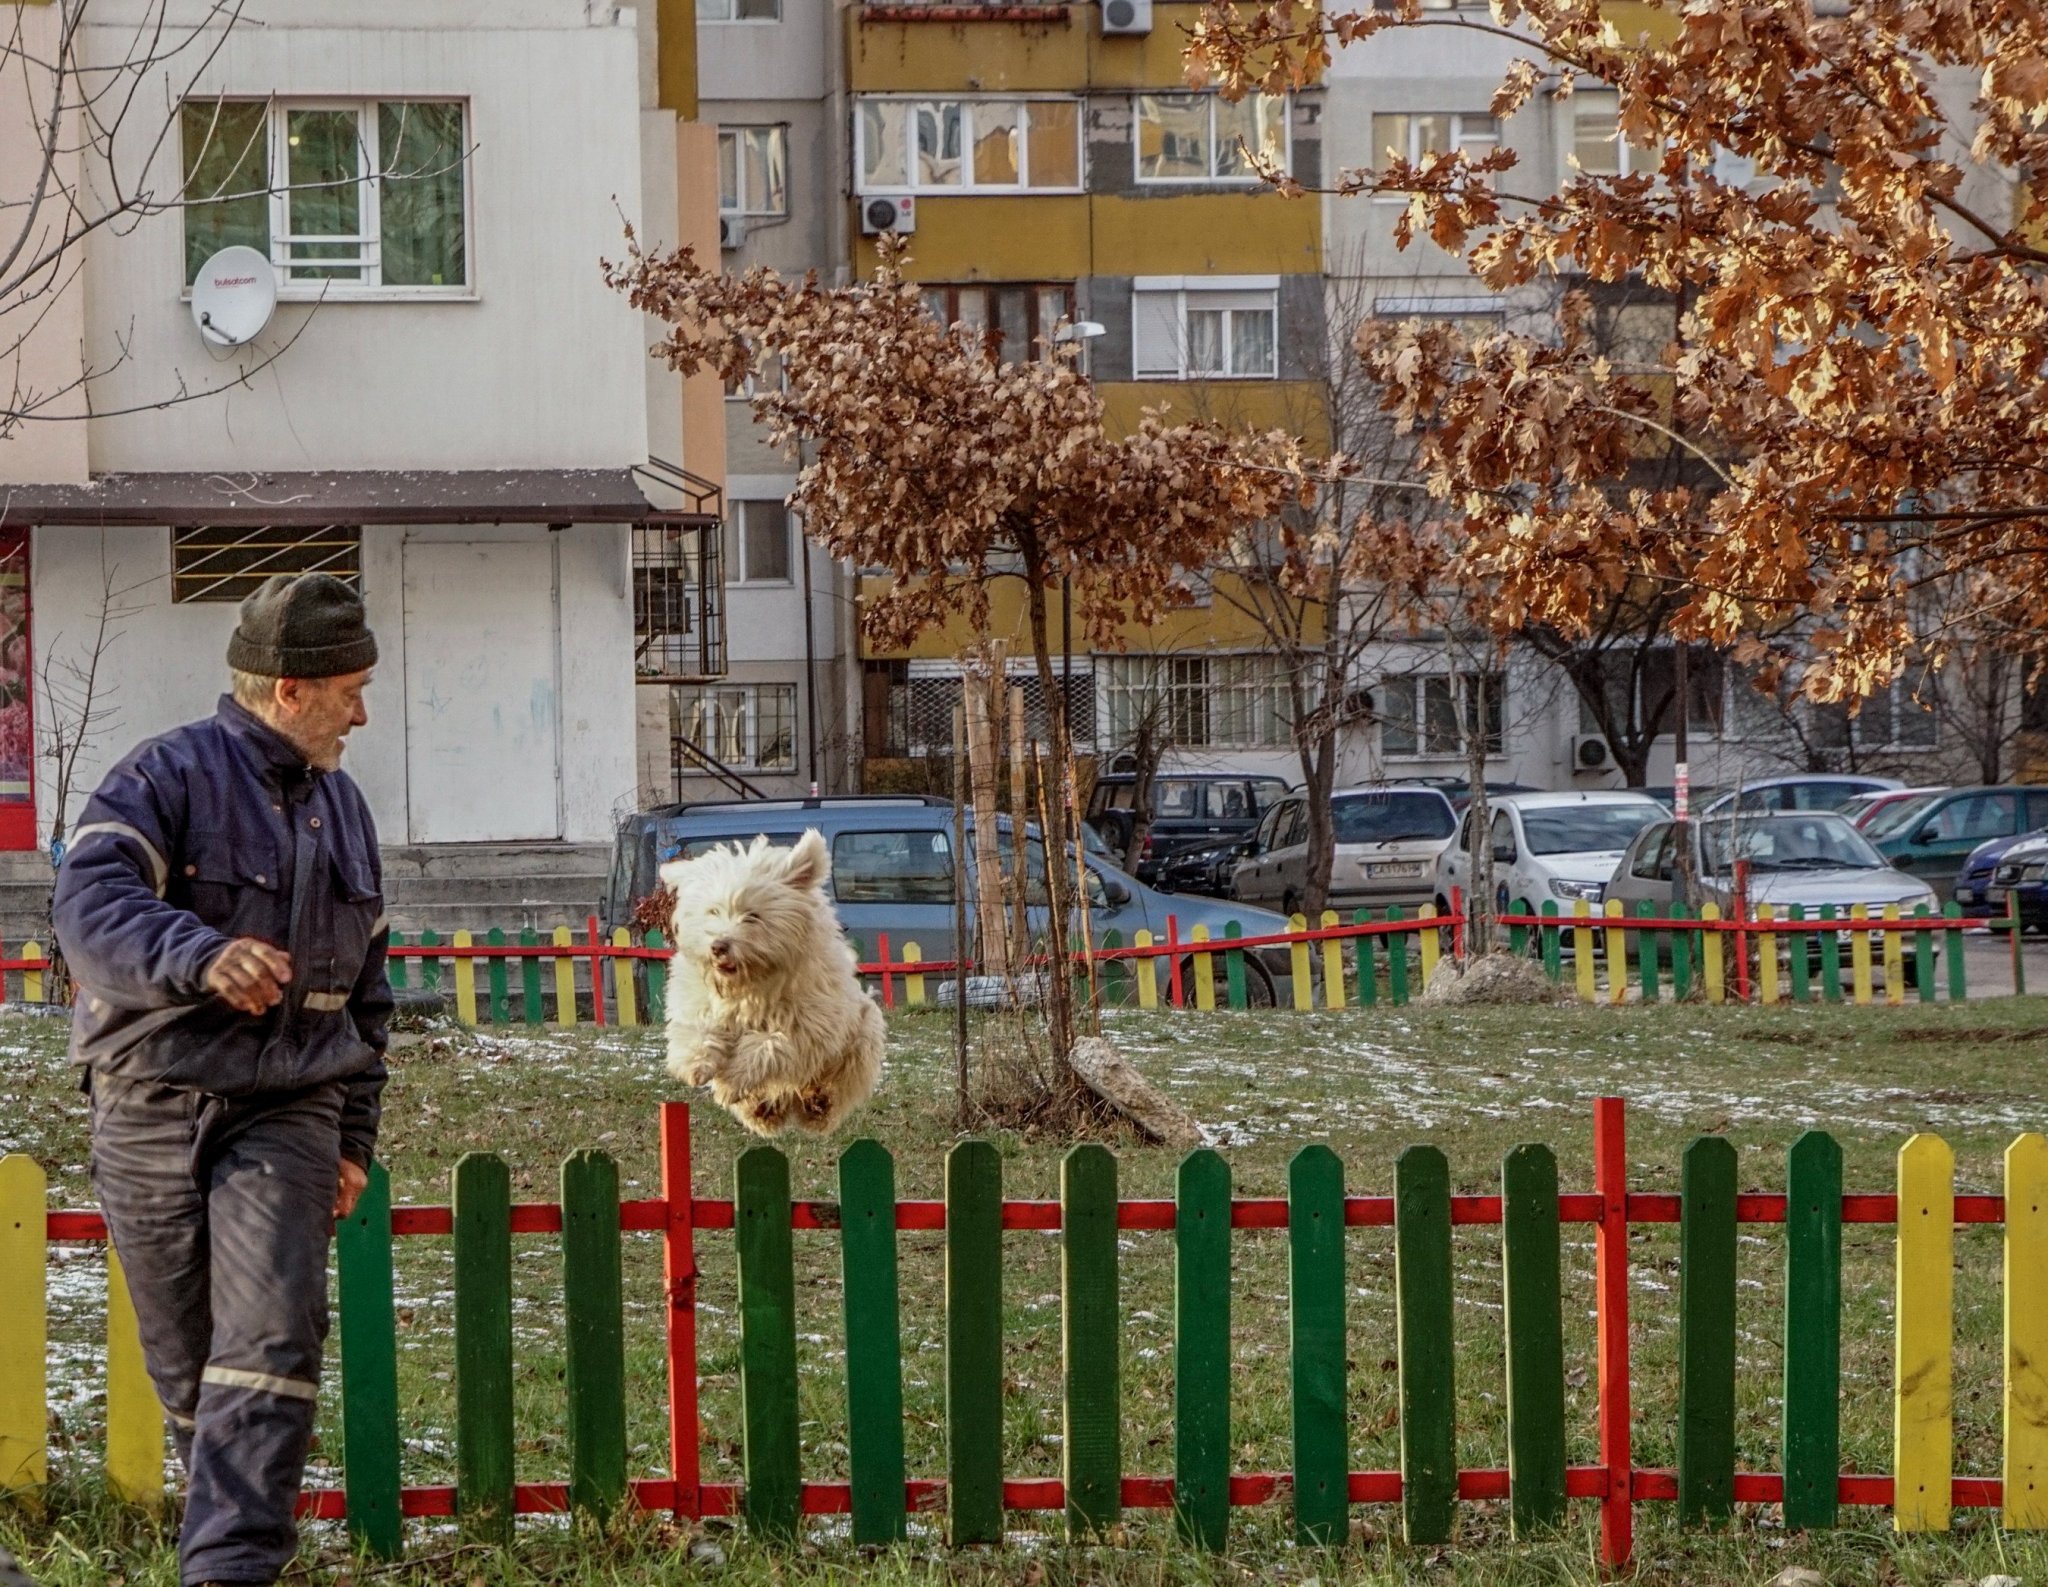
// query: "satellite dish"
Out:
[234,296]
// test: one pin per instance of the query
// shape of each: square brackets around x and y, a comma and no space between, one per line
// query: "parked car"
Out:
[1459,789]
[1977,887]
[1549,845]
[1808,792]
[1871,813]
[892,871]
[1204,871]
[2023,874]
[1939,836]
[1811,858]
[1387,843]
[1190,810]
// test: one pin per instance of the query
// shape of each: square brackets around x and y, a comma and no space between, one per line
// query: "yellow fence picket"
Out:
[465,979]
[1894,960]
[1617,954]
[1147,968]
[1428,942]
[1582,952]
[1923,1436]
[565,978]
[625,984]
[32,979]
[1333,963]
[913,983]
[1205,971]
[1711,967]
[1298,965]
[1766,956]
[2026,1333]
[24,1341]
[135,1421]
[1859,956]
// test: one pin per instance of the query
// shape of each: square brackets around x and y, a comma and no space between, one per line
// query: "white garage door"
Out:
[482,745]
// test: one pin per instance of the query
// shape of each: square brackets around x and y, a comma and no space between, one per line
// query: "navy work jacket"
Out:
[217,830]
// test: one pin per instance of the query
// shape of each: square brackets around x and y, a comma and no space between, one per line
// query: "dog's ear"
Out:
[808,861]
[671,874]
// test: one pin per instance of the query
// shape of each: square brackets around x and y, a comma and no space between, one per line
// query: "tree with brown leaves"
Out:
[927,455]
[1860,369]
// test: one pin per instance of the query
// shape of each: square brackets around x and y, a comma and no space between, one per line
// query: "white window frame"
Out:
[737,572]
[1249,179]
[737,21]
[737,132]
[369,212]
[1459,682]
[1630,160]
[1204,681]
[1182,288]
[752,722]
[1412,154]
[1899,701]
[1022,187]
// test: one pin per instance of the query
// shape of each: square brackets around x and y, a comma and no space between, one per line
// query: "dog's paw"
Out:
[696,1071]
[764,1115]
[816,1110]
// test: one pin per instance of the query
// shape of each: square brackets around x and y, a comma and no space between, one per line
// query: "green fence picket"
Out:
[396,970]
[1315,1270]
[1830,956]
[1802,982]
[1422,1286]
[1706,1331]
[874,1349]
[430,968]
[771,1493]
[1553,956]
[1397,962]
[494,970]
[1648,946]
[593,1301]
[1531,1256]
[1201,1349]
[1813,1330]
[1923,956]
[482,1196]
[1681,954]
[1233,964]
[974,1342]
[529,979]
[657,981]
[1091,1341]
[1518,935]
[370,1442]
[1952,950]
[1368,962]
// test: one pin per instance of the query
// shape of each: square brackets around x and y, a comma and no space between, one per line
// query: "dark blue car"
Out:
[1977,880]
[2022,874]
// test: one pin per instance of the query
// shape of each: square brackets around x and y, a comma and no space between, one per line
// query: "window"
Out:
[1393,816]
[1205,327]
[1205,138]
[739,10]
[967,145]
[1977,818]
[209,564]
[911,713]
[1637,683]
[753,171]
[355,195]
[892,867]
[1220,702]
[1890,719]
[1656,856]
[1023,318]
[1431,713]
[1415,138]
[1476,316]
[748,726]
[1597,143]
[678,580]
[757,543]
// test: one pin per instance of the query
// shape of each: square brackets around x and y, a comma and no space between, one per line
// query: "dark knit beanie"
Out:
[308,625]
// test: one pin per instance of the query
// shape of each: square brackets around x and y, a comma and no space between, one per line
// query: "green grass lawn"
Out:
[1474,1082]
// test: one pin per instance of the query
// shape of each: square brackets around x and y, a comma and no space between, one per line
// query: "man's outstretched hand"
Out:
[250,975]
[353,1178]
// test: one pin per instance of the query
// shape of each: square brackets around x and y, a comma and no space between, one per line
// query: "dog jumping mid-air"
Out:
[765,1004]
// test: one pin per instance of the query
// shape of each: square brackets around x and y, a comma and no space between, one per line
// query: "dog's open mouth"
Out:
[724,966]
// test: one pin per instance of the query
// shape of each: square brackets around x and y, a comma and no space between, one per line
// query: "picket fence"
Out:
[1767,957]
[1316,1217]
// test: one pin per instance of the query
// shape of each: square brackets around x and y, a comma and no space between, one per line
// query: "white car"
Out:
[1562,846]
[1387,843]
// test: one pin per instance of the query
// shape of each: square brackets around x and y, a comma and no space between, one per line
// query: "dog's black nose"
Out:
[721,949]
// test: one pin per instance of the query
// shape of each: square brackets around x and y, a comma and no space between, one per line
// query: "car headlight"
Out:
[1565,887]
[2034,870]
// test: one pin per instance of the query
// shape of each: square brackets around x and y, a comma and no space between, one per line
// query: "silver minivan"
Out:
[1387,843]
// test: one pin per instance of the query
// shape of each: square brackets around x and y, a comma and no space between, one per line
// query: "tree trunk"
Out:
[1020,807]
[1059,984]
[990,929]
[1321,770]
[1147,752]
[1479,909]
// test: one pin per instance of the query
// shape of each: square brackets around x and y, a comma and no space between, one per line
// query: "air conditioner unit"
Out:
[732,231]
[1126,18]
[879,215]
[1590,752]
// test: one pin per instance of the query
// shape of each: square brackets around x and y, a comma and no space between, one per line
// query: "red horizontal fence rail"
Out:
[1611,1209]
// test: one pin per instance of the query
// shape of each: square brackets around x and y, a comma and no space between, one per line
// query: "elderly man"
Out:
[220,908]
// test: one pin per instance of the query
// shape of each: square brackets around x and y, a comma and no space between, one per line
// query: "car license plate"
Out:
[1393,870]
[1966,895]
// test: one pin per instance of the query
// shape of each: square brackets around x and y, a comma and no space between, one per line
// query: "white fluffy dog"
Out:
[764,1002]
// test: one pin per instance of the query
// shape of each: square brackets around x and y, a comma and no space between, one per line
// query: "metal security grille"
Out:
[211,563]
[678,600]
[916,711]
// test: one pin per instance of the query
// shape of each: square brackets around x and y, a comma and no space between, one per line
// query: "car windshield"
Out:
[1390,817]
[1587,829]
[1815,842]
[1267,792]
[1894,817]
